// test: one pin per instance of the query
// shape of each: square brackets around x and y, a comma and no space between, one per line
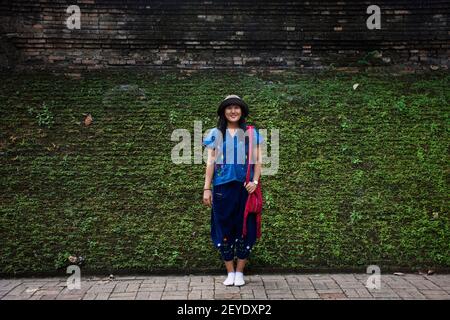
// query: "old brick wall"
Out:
[194,34]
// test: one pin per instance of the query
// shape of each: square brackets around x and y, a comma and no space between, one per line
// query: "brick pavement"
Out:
[193,287]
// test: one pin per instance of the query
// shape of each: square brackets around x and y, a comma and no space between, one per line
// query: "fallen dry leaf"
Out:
[88,120]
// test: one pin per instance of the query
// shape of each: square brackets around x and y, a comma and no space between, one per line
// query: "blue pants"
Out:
[227,217]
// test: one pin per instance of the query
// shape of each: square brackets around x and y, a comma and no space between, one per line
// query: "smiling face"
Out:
[233,113]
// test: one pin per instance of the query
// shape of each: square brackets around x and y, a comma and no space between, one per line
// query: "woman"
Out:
[226,172]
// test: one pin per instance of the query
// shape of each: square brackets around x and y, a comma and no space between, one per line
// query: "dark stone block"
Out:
[203,34]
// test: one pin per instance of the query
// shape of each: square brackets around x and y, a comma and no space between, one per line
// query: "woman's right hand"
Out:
[207,198]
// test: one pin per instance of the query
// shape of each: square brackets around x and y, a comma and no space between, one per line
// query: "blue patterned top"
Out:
[231,161]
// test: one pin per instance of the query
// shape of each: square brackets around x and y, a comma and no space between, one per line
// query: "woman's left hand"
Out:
[250,187]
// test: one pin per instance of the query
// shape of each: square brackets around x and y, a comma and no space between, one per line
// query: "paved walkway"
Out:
[289,286]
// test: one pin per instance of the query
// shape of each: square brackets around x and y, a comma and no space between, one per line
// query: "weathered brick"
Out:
[111,36]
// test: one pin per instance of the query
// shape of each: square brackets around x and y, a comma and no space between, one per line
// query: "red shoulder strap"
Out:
[250,149]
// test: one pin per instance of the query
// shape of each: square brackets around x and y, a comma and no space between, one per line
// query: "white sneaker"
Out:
[229,281]
[239,279]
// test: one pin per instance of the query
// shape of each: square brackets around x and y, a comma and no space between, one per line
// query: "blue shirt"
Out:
[231,160]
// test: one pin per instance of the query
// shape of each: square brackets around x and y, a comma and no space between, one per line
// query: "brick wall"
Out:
[302,35]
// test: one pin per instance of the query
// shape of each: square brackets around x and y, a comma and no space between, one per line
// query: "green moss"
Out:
[363,176]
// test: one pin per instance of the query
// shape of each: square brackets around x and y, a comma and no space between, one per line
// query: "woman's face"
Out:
[233,113]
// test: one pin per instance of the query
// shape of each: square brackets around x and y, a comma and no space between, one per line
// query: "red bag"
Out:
[254,200]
